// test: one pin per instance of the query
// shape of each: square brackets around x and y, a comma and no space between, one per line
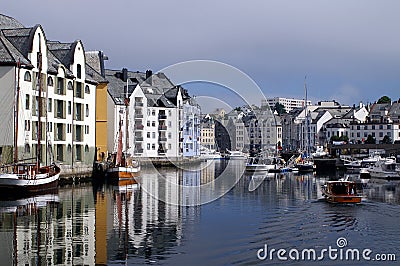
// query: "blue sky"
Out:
[349,50]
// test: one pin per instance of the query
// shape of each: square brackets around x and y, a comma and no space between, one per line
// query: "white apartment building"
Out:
[67,98]
[288,103]
[155,114]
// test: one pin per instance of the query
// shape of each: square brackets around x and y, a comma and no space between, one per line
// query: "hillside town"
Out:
[85,105]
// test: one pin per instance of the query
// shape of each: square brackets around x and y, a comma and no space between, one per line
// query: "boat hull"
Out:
[123,175]
[342,198]
[11,185]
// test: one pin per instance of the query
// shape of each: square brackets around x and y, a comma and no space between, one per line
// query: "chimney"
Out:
[149,73]
[124,74]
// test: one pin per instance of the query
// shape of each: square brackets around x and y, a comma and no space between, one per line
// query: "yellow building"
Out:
[95,65]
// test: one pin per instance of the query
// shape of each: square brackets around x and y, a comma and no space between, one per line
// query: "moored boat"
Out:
[21,178]
[236,155]
[341,191]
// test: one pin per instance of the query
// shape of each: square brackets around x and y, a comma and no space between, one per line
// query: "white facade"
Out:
[68,102]
[191,129]
[288,103]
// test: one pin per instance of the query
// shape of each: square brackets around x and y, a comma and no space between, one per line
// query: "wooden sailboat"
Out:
[123,169]
[22,178]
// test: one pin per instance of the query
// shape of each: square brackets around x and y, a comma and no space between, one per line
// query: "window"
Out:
[78,71]
[373,134]
[169,146]
[50,82]
[27,148]
[27,104]
[365,127]
[389,126]
[153,135]
[49,105]
[148,146]
[27,125]
[381,134]
[50,126]
[69,86]
[148,123]
[169,135]
[153,146]
[153,123]
[78,92]
[27,76]
[87,110]
[69,107]
[69,148]
[169,123]
[153,112]
[169,112]
[148,135]
[60,86]
[373,126]
[86,148]
[87,90]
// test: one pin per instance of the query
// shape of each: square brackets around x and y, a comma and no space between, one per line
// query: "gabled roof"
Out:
[93,76]
[9,54]
[63,51]
[7,22]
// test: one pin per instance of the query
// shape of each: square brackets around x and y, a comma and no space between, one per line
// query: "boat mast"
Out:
[16,114]
[307,144]
[126,119]
[39,131]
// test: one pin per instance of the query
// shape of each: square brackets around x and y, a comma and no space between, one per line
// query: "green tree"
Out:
[386,140]
[370,140]
[385,99]
[279,108]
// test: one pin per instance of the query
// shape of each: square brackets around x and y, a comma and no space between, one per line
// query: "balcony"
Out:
[161,152]
[162,117]
[138,104]
[139,127]
[138,138]
[162,127]
[162,139]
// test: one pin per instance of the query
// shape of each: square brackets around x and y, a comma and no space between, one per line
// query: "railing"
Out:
[162,127]
[138,115]
[140,127]
[162,117]
[139,138]
[139,104]
[162,139]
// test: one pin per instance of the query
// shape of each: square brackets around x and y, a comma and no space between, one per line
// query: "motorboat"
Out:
[385,168]
[260,164]
[341,191]
[236,155]
[206,154]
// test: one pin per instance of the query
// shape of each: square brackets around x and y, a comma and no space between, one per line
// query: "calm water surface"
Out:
[104,224]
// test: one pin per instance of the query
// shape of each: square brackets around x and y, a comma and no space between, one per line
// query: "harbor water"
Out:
[184,217]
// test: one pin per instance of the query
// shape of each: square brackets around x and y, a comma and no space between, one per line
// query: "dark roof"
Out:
[7,22]
[158,89]
[93,76]
[63,51]
[9,54]
[20,39]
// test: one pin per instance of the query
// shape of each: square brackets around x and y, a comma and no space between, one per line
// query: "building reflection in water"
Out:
[104,223]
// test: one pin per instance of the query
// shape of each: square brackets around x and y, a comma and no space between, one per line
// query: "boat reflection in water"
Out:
[135,224]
